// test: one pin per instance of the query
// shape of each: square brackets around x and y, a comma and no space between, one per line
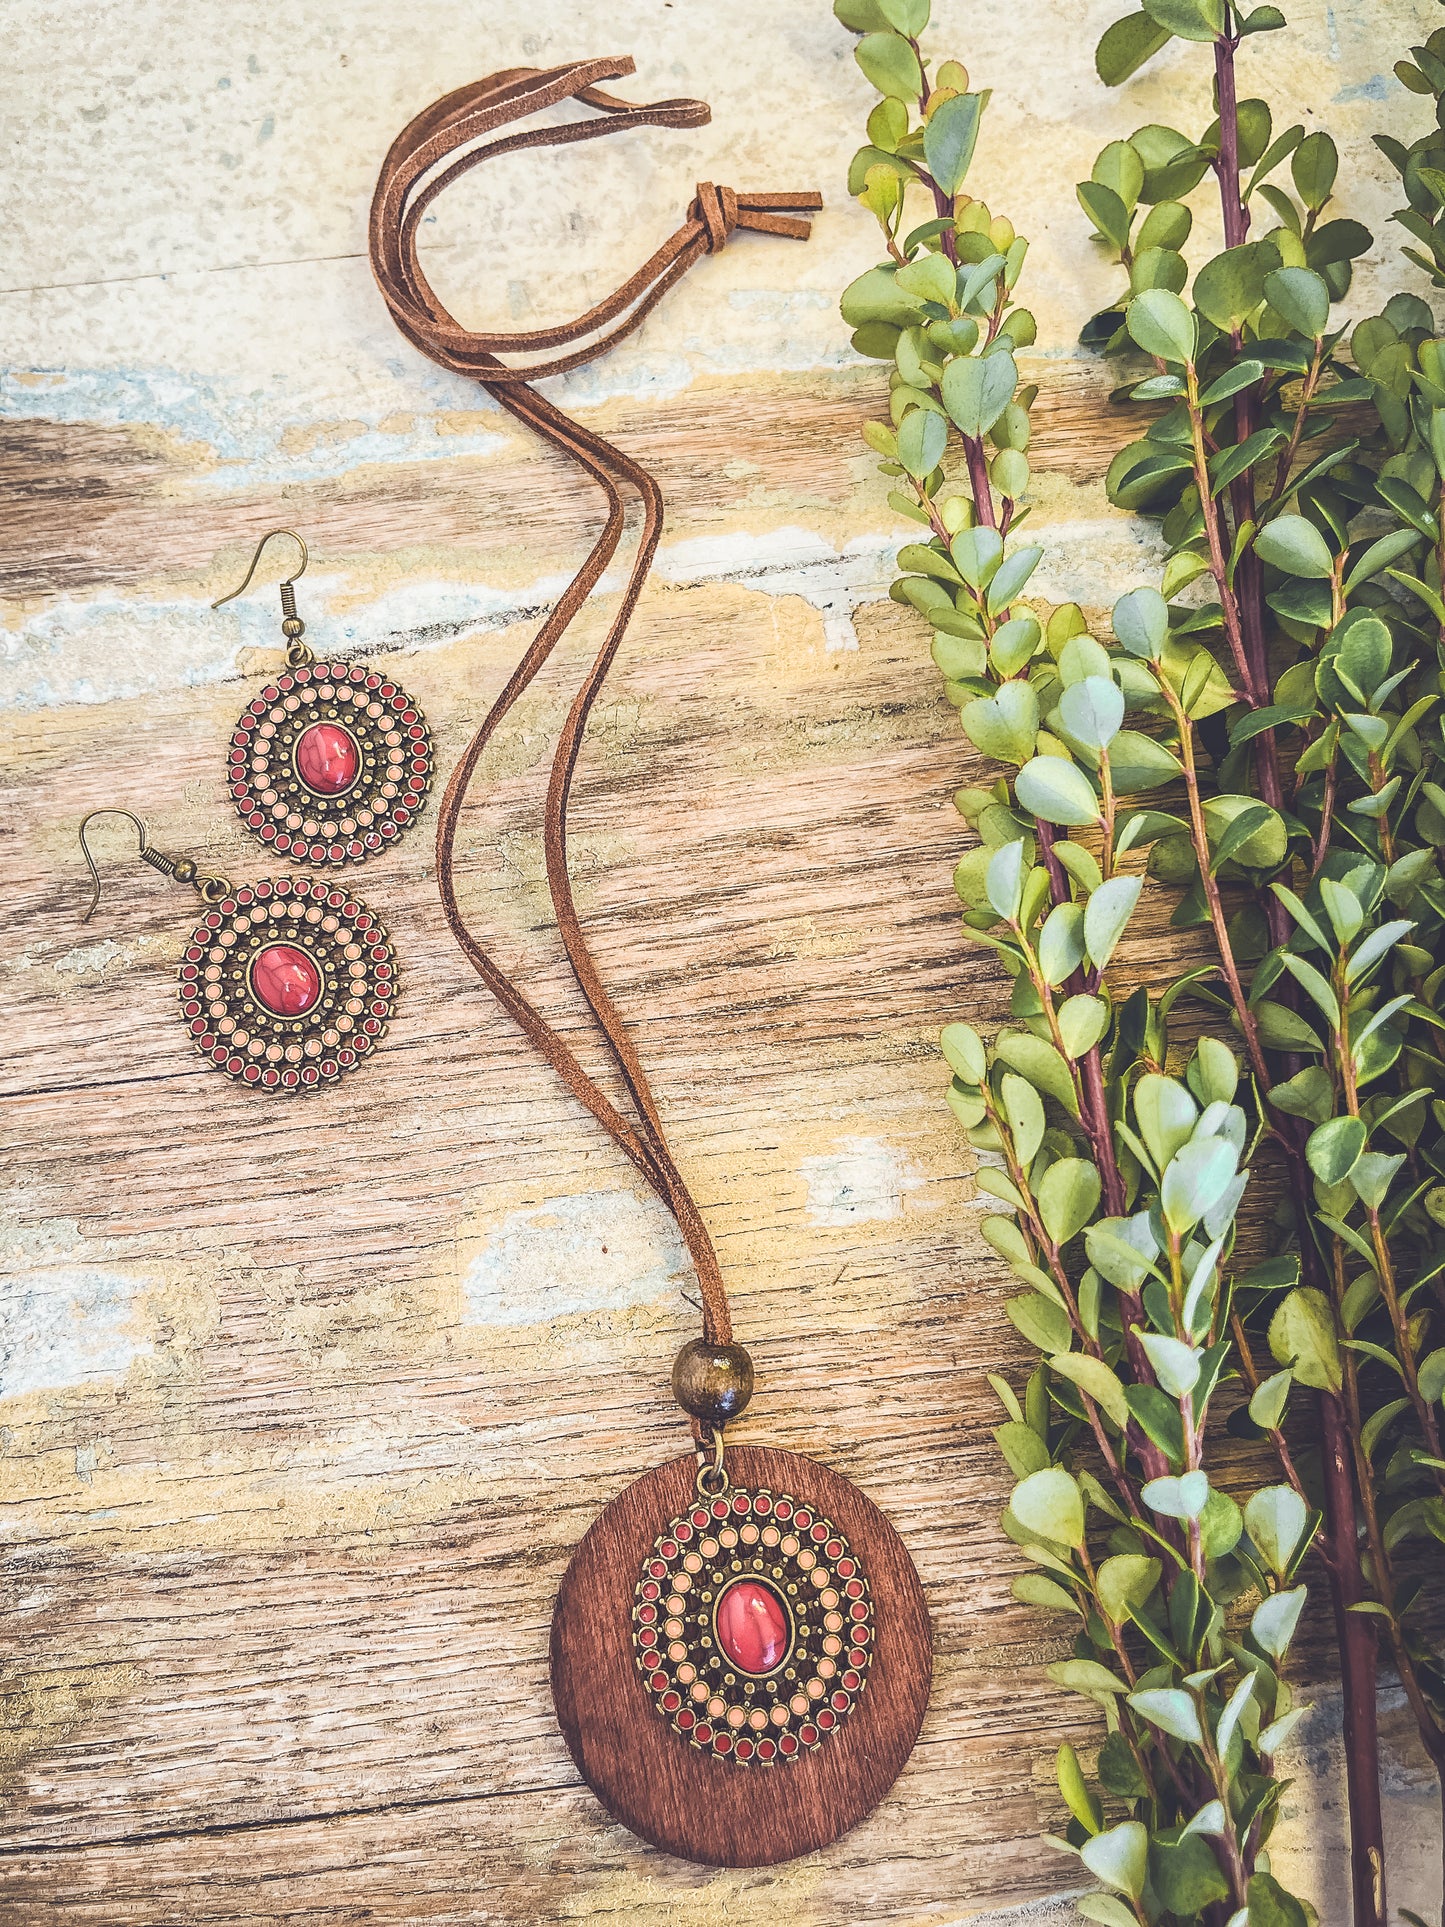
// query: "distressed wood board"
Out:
[303,1407]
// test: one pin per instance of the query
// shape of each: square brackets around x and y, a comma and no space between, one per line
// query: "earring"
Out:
[331,762]
[285,984]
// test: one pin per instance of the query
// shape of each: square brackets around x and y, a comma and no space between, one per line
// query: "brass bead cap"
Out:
[712,1382]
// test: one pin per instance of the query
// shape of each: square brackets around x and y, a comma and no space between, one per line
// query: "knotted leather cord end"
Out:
[721,210]
[445,140]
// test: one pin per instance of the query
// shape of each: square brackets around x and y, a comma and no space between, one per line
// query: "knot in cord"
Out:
[717,209]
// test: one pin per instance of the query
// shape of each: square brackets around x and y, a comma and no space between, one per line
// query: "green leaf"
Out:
[1120,1857]
[964,1052]
[1275,1519]
[1281,1028]
[1170,1709]
[1275,1619]
[1036,1589]
[1086,1676]
[1124,1582]
[1302,1336]
[1141,622]
[1431,1377]
[1242,375]
[1041,1321]
[1022,1447]
[922,438]
[1106,211]
[1196,1182]
[1106,915]
[1011,575]
[1270,1396]
[1105,1910]
[1271,1906]
[977,554]
[976,390]
[1050,1505]
[1291,543]
[1024,1115]
[1078,1797]
[1165,1114]
[1082,1019]
[1008,868]
[1380,555]
[1161,324]
[1061,943]
[1004,726]
[1228,289]
[1240,833]
[1036,1059]
[876,296]
[1092,711]
[1317,986]
[1190,19]
[1314,166]
[1094,1378]
[1334,1148]
[1176,1365]
[890,64]
[860,16]
[1181,1498]
[1056,791]
[1186,1876]
[949,137]
[1300,297]
[908,17]
[1126,46]
[1067,1199]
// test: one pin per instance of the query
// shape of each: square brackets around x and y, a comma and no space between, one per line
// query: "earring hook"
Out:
[130,817]
[260,546]
[182,868]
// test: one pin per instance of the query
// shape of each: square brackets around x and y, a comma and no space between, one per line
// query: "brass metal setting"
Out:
[712,1478]
[237,1033]
[393,754]
[777,1594]
[805,1562]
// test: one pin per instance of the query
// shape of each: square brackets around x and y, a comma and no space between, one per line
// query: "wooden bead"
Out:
[713,1382]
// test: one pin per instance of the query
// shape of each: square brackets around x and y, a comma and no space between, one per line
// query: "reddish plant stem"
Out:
[1354,1634]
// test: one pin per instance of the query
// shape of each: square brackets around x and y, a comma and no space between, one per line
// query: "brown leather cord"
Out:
[436,149]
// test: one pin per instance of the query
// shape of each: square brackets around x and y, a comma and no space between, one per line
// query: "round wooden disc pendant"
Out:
[741,1677]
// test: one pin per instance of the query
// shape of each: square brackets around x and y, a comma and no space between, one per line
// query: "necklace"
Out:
[740,1652]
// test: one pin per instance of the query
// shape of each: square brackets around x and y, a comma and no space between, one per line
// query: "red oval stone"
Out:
[752,1626]
[285,979]
[327,759]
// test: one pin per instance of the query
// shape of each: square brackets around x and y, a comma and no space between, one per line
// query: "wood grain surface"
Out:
[691,1803]
[304,1409]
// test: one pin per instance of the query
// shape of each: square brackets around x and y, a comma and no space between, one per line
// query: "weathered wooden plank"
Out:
[303,1407]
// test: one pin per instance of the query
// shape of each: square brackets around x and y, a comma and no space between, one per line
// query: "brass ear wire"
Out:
[183,868]
[293,628]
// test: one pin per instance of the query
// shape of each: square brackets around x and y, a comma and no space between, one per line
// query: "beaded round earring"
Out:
[286,984]
[331,762]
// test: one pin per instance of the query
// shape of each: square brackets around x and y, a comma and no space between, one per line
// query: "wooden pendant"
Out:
[741,1677]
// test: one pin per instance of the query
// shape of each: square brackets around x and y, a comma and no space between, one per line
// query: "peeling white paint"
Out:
[599,1251]
[863,1181]
[66,1326]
